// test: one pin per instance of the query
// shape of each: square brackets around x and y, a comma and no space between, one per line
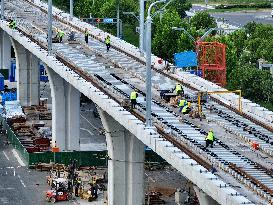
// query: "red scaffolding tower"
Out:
[212,61]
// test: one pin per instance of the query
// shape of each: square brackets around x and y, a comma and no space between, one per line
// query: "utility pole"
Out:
[71,9]
[49,35]
[141,25]
[118,19]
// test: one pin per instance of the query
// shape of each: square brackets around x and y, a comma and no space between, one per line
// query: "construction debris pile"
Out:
[32,133]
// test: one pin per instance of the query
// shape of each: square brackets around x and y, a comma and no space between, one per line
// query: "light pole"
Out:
[71,9]
[49,35]
[2,39]
[141,25]
[148,65]
[2,9]
[118,27]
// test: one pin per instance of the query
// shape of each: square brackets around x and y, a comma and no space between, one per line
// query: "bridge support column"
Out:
[203,198]
[5,46]
[125,164]
[27,70]
[65,113]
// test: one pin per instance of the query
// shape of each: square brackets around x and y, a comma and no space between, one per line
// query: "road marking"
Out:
[89,122]
[4,200]
[6,155]
[91,133]
[18,158]
[21,181]
[14,172]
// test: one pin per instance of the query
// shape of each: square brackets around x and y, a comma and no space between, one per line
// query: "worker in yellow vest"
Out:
[210,138]
[179,89]
[181,104]
[86,34]
[107,42]
[186,109]
[60,35]
[133,98]
[12,24]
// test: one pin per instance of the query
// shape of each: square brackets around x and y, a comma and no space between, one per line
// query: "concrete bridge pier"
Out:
[5,48]
[65,113]
[125,164]
[203,198]
[27,70]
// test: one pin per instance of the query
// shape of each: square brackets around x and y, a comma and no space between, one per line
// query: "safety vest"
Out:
[86,33]
[12,24]
[182,103]
[133,95]
[107,40]
[178,87]
[60,33]
[210,136]
[184,109]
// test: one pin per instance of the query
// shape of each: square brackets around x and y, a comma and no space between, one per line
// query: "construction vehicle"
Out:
[59,191]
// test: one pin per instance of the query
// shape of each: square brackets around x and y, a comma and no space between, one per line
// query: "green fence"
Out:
[84,158]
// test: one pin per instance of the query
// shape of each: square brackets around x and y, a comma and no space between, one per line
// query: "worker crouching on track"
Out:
[179,89]
[210,138]
[12,24]
[133,98]
[186,109]
[60,35]
[107,42]
[181,104]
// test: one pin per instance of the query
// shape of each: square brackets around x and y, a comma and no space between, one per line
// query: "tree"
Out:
[164,42]
[202,20]
[180,6]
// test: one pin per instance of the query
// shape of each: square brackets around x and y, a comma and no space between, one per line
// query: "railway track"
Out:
[181,132]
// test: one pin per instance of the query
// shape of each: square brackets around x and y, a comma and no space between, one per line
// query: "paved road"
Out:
[19,185]
[240,18]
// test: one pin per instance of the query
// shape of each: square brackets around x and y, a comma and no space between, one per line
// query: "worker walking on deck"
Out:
[107,42]
[86,35]
[133,98]
[210,139]
[12,24]
[179,89]
[60,35]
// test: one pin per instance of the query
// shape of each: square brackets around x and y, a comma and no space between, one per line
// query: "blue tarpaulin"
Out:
[185,59]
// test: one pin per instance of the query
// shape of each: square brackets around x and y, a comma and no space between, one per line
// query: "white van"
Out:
[272,13]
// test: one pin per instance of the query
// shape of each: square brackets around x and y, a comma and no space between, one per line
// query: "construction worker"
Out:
[179,89]
[12,24]
[133,98]
[181,104]
[77,186]
[60,35]
[86,34]
[186,109]
[107,42]
[210,138]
